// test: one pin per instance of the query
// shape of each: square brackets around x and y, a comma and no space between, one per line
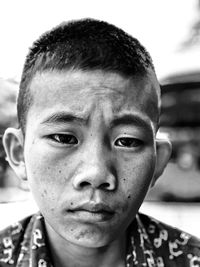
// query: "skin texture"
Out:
[90,141]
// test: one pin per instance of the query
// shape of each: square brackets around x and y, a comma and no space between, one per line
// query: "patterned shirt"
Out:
[150,243]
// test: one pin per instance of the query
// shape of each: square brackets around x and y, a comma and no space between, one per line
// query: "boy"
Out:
[88,110]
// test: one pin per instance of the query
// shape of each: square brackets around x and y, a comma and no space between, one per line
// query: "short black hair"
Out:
[85,44]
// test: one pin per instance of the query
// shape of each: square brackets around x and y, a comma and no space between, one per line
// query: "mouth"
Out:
[90,212]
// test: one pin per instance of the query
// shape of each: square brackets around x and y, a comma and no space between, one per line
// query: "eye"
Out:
[66,139]
[128,142]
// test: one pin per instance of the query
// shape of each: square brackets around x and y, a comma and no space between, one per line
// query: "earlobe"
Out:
[163,151]
[13,142]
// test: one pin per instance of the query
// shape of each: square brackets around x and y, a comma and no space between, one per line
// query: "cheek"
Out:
[47,177]
[135,175]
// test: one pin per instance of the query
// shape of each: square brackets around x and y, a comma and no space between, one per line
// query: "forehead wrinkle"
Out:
[73,85]
[114,89]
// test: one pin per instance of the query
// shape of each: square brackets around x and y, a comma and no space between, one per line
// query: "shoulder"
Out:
[11,239]
[170,244]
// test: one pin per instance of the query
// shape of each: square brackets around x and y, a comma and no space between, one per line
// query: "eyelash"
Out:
[67,139]
[128,142]
[124,142]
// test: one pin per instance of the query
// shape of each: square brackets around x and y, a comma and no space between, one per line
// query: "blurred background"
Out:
[170,30]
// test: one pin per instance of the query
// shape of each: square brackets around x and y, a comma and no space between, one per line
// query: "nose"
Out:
[95,171]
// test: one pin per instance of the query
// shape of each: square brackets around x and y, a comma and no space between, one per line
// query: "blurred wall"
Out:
[8,94]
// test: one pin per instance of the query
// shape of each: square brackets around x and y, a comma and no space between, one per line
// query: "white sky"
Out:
[161,25]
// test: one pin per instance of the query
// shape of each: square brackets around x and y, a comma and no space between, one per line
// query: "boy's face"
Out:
[90,152]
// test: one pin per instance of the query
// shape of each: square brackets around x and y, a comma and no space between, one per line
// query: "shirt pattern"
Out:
[150,243]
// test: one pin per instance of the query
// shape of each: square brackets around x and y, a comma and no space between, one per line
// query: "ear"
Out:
[13,141]
[163,151]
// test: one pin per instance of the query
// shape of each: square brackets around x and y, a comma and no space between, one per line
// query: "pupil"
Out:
[127,141]
[66,139]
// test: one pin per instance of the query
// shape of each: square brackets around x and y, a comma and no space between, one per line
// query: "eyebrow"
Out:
[63,117]
[129,119]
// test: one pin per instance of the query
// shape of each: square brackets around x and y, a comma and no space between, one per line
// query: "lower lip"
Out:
[88,216]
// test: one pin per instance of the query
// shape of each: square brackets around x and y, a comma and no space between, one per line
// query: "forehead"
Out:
[80,90]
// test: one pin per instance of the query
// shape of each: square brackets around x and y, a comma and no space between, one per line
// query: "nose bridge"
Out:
[95,149]
[95,155]
[95,170]
[95,163]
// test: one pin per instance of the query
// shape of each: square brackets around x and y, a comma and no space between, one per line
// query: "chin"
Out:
[89,238]
[91,243]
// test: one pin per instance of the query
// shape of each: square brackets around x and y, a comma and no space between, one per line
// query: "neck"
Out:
[66,254]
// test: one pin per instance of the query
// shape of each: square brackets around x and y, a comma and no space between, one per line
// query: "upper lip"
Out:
[93,207]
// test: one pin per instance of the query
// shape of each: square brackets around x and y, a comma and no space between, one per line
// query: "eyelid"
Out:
[53,139]
[126,135]
[140,142]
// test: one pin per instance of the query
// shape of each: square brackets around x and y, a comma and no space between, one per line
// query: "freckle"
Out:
[59,171]
[71,203]
[124,179]
[82,235]
[45,191]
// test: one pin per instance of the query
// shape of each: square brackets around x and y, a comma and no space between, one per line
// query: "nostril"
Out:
[101,186]
[104,186]
[92,180]
[84,184]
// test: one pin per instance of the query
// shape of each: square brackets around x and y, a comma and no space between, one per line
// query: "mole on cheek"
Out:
[129,196]
[126,158]
[59,171]
[44,193]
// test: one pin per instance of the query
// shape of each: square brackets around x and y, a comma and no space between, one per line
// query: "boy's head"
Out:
[83,45]
[88,109]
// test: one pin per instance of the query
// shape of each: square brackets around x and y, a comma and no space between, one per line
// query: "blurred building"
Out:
[180,120]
